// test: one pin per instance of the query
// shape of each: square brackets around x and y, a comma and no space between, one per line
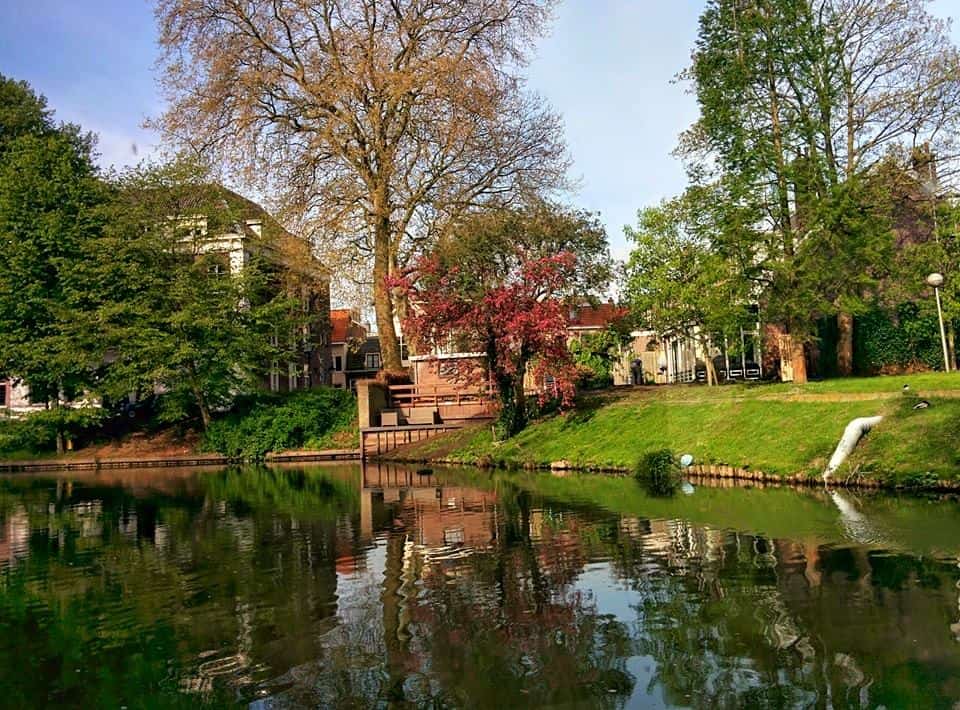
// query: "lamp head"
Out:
[935,280]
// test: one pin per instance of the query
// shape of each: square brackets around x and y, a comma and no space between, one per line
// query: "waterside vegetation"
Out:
[255,426]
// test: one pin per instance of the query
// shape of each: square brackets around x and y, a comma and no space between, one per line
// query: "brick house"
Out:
[347,331]
[452,367]
[589,318]
[354,351]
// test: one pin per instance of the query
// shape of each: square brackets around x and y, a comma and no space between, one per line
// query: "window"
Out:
[373,361]
[3,394]
[338,363]
[218,264]
[453,536]
[292,376]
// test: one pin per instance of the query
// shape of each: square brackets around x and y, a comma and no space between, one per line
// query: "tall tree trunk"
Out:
[202,405]
[793,363]
[783,193]
[58,405]
[799,361]
[513,403]
[844,344]
[708,363]
[382,301]
[519,403]
[204,414]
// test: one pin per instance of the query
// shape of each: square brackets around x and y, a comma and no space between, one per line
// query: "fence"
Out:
[450,402]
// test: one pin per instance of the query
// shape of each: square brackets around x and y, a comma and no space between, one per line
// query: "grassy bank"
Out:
[779,429]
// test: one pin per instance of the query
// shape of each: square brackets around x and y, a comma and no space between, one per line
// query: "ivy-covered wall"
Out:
[906,337]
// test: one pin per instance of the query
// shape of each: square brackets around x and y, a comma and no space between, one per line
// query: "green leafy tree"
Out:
[490,244]
[596,354]
[800,101]
[165,309]
[679,283]
[50,209]
[22,112]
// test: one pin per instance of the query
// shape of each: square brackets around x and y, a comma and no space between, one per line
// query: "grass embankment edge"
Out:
[765,433]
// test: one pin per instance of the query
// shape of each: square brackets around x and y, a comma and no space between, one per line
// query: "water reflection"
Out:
[331,586]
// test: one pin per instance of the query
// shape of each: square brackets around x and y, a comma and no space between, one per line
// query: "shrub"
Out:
[268,423]
[659,472]
[37,432]
[595,355]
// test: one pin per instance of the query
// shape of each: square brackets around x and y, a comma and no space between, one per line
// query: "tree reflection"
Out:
[117,596]
[506,627]
[304,586]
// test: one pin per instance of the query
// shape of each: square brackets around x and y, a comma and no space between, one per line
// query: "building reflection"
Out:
[14,536]
[437,517]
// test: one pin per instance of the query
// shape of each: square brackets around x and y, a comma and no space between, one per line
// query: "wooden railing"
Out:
[409,396]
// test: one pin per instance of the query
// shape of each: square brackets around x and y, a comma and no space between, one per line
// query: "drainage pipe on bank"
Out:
[848,442]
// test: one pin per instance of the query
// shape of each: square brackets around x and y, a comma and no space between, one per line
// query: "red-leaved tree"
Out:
[517,320]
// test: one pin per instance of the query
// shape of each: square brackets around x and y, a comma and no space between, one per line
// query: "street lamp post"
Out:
[936,280]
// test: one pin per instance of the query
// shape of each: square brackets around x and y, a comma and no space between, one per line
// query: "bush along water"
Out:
[268,423]
[659,472]
[38,432]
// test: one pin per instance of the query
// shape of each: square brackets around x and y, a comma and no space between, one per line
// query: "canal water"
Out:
[336,587]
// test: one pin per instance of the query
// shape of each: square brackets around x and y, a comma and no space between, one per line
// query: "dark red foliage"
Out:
[520,321]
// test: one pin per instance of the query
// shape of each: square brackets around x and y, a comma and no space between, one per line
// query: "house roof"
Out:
[598,316]
[234,214]
[340,320]
[357,359]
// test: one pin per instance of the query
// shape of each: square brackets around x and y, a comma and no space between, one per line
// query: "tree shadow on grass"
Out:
[584,411]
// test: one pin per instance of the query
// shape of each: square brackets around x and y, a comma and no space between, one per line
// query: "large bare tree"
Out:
[372,121]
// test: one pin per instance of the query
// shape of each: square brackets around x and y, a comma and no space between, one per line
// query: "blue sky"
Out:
[608,66]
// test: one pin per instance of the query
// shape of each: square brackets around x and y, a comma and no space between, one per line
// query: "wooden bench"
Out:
[423,415]
[390,417]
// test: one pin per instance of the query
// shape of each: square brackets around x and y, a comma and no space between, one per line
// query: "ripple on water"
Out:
[394,598]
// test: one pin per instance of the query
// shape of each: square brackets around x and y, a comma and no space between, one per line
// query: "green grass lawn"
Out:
[913,446]
[857,386]
[780,428]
